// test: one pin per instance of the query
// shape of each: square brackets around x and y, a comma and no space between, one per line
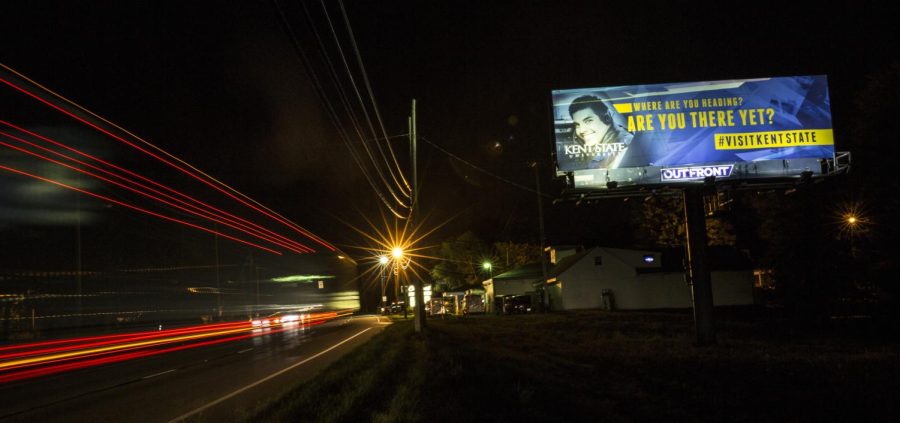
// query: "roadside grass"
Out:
[601,366]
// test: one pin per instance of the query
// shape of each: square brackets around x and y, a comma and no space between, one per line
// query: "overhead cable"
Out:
[344,98]
[498,177]
[361,102]
[371,95]
[332,114]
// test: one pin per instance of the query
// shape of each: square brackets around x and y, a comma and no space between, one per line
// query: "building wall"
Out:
[553,297]
[582,285]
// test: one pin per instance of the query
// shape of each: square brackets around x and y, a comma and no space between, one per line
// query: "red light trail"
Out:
[230,217]
[167,162]
[201,213]
[32,360]
[136,208]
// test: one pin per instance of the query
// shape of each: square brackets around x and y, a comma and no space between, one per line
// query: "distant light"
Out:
[383,259]
[301,278]
[486,265]
[851,220]
[649,258]
[341,257]
[397,252]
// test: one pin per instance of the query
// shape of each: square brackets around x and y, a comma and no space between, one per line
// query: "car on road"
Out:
[280,318]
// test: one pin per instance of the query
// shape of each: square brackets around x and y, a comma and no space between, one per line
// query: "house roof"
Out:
[567,262]
[528,271]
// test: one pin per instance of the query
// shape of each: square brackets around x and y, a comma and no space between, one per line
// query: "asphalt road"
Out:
[213,383]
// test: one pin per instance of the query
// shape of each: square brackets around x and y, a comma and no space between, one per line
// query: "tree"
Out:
[510,255]
[460,261]
[810,263]
[660,223]
[875,144]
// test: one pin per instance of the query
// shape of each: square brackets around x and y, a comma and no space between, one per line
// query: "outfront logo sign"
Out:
[695,172]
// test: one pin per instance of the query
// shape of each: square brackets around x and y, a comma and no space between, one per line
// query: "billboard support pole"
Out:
[698,266]
[419,312]
[540,204]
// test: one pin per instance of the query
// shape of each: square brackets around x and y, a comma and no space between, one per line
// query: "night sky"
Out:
[221,85]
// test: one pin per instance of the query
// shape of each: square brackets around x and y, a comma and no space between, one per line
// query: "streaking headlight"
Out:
[256,323]
[290,318]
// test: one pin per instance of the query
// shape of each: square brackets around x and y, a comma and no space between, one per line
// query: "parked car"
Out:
[395,307]
[517,304]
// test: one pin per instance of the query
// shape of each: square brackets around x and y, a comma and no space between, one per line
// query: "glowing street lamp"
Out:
[852,221]
[397,252]
[487,266]
[383,260]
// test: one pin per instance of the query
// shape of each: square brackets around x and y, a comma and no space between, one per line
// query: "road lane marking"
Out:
[243,351]
[159,374]
[267,378]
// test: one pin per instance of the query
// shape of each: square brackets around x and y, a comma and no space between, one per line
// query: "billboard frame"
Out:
[678,155]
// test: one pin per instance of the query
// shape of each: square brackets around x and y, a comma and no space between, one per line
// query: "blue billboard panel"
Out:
[679,132]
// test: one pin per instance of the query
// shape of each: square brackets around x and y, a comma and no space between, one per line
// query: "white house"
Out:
[632,279]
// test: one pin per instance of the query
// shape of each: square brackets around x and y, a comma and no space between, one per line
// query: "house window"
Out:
[598,261]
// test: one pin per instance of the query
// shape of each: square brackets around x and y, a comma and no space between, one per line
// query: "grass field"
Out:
[602,366]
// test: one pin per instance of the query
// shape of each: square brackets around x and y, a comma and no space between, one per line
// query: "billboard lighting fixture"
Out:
[806,176]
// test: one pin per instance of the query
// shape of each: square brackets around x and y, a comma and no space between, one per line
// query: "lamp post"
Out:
[487,266]
[851,225]
[397,255]
[383,260]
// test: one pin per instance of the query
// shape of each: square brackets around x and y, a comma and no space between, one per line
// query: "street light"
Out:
[487,266]
[851,225]
[383,260]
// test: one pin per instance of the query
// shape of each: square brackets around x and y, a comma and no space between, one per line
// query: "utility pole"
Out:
[540,204]
[383,296]
[218,284]
[698,272]
[419,314]
[78,263]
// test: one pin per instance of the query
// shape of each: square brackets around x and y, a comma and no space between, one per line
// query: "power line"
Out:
[332,114]
[342,95]
[369,89]
[361,103]
[498,177]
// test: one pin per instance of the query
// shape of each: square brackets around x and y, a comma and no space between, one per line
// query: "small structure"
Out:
[473,302]
[613,278]
[516,282]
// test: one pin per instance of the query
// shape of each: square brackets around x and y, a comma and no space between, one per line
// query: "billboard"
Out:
[682,132]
